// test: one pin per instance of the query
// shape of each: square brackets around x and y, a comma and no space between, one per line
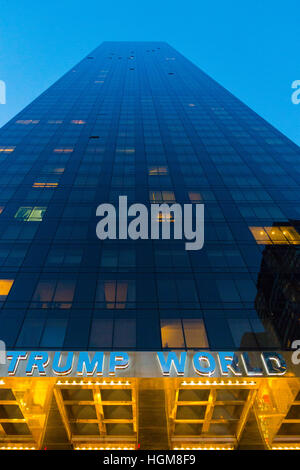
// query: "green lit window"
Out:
[30,214]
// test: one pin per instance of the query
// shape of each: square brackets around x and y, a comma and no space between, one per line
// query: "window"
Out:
[182,291]
[63,150]
[53,169]
[116,294]
[78,121]
[125,150]
[44,185]
[242,333]
[195,334]
[56,294]
[183,333]
[195,197]
[112,258]
[19,232]
[276,235]
[158,170]
[5,286]
[265,333]
[30,214]
[7,149]
[54,333]
[161,217]
[161,196]
[64,256]
[171,333]
[12,257]
[30,333]
[119,333]
[27,121]
[124,333]
[101,333]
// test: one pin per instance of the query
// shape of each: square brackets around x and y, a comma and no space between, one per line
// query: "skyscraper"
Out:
[137,119]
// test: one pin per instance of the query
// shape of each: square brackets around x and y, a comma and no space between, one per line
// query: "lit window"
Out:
[161,196]
[44,185]
[291,234]
[278,235]
[195,197]
[27,121]
[158,170]
[260,235]
[5,286]
[79,121]
[171,333]
[7,149]
[30,214]
[37,214]
[162,217]
[195,334]
[63,150]
[1,209]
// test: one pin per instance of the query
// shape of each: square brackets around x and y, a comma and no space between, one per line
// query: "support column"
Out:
[152,419]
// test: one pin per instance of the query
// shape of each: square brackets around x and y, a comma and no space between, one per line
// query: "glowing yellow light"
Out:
[5,286]
[204,448]
[44,185]
[62,150]
[7,149]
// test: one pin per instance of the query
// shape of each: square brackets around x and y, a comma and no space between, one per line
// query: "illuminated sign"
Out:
[144,364]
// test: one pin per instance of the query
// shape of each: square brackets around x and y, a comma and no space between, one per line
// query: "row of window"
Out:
[175,333]
[121,294]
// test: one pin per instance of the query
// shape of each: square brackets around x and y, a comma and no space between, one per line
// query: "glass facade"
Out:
[138,119]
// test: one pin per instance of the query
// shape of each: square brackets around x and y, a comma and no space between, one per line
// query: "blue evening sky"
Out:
[249,46]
